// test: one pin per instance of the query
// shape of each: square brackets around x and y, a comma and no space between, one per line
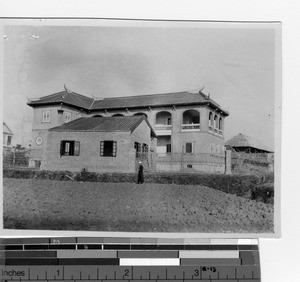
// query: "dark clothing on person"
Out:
[141,175]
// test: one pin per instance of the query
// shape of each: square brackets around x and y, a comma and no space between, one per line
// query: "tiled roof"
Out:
[66,97]
[242,140]
[103,124]
[142,101]
[154,100]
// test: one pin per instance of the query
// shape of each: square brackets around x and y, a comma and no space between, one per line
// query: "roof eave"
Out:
[155,106]
[39,104]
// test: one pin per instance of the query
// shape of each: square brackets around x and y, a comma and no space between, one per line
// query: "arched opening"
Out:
[118,115]
[141,114]
[97,116]
[191,120]
[163,120]
[211,122]
[220,125]
[216,122]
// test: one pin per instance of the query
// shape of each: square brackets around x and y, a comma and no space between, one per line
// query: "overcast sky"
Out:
[235,64]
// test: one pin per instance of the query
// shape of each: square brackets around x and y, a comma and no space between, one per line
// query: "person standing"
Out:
[141,173]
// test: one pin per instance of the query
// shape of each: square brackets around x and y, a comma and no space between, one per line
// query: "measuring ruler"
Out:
[129,259]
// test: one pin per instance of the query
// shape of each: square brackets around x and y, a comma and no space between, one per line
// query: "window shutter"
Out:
[61,148]
[114,148]
[101,148]
[77,148]
[67,148]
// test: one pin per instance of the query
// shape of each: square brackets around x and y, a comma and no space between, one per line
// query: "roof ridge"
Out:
[147,95]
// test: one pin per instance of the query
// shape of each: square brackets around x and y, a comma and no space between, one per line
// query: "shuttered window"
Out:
[69,148]
[108,148]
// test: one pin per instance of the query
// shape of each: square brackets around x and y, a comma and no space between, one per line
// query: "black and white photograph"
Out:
[141,126]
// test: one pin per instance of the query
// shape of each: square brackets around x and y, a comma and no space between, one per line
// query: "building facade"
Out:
[189,126]
[99,144]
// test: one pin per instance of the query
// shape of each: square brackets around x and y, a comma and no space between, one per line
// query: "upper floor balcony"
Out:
[215,125]
[190,121]
[163,124]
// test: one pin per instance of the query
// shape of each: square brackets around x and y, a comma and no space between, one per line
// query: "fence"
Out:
[16,158]
[182,162]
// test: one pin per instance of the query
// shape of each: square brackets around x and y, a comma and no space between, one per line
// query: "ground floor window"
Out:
[145,148]
[69,148]
[168,148]
[108,148]
[189,148]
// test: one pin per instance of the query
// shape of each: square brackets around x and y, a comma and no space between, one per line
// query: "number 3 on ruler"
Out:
[196,272]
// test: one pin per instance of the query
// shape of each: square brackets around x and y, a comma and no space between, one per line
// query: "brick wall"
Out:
[89,156]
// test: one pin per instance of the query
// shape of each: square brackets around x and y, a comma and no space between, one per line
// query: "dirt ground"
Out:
[65,205]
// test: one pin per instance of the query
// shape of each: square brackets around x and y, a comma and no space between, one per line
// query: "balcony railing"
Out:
[195,126]
[163,129]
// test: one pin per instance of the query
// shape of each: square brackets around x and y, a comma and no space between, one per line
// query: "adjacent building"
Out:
[189,127]
[100,144]
[249,155]
[7,136]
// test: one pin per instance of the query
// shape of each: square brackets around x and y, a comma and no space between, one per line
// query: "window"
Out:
[145,148]
[46,116]
[168,148]
[108,148]
[216,122]
[220,126]
[69,148]
[169,121]
[8,140]
[67,116]
[137,147]
[189,148]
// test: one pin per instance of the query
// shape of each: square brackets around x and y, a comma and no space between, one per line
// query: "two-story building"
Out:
[189,126]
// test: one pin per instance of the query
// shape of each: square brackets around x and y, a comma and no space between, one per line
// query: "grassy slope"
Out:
[48,204]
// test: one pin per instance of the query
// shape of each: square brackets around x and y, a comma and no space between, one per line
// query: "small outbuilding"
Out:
[249,155]
[247,144]
[100,144]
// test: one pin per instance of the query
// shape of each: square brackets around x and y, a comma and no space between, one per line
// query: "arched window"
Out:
[118,115]
[211,123]
[216,122]
[220,125]
[191,120]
